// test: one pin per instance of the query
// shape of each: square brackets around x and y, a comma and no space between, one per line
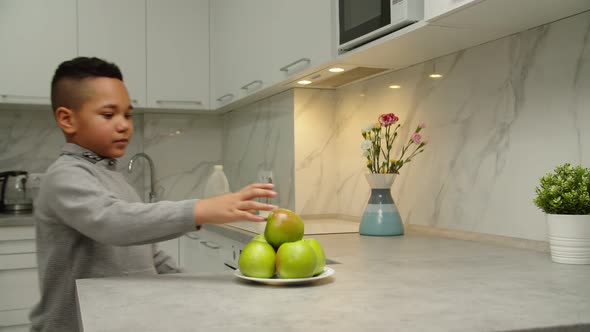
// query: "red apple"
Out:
[282,226]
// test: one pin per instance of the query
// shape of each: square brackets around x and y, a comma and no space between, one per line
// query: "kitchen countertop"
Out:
[25,219]
[409,283]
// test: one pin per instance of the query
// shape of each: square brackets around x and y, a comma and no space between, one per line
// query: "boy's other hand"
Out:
[236,206]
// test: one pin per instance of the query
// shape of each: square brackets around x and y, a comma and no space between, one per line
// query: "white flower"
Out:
[368,128]
[366,145]
[365,153]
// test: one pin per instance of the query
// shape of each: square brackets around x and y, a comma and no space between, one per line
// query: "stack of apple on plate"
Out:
[281,252]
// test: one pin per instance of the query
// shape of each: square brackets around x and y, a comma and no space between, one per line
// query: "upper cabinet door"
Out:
[178,54]
[302,36]
[435,8]
[115,31]
[36,36]
[241,49]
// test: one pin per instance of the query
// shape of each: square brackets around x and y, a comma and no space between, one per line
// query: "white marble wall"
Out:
[260,137]
[317,169]
[30,141]
[503,115]
[184,148]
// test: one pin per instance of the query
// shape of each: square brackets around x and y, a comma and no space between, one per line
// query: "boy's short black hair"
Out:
[66,90]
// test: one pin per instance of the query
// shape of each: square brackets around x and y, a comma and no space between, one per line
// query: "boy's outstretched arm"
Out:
[85,205]
[234,206]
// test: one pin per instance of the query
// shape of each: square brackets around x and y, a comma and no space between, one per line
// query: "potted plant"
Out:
[564,195]
[381,217]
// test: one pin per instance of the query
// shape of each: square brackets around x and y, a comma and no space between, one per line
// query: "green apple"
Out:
[257,260]
[282,226]
[259,237]
[295,260]
[320,255]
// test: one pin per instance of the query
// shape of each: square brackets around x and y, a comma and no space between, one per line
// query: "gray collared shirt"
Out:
[91,223]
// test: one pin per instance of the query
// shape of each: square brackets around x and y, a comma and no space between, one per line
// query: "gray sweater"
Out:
[91,223]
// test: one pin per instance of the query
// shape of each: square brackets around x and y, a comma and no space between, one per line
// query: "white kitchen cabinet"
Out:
[19,284]
[178,54]
[116,31]
[207,251]
[436,8]
[252,41]
[240,54]
[301,36]
[36,36]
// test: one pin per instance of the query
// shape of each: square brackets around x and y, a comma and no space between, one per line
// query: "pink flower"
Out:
[388,119]
[422,125]
[416,138]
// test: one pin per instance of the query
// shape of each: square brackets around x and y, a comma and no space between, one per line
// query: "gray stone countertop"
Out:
[25,219]
[409,283]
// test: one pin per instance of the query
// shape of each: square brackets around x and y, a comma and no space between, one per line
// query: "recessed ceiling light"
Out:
[394,87]
[435,75]
[304,82]
[336,70]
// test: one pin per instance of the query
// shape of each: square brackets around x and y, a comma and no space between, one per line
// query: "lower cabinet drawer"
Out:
[17,247]
[19,289]
[16,328]
[18,261]
[14,320]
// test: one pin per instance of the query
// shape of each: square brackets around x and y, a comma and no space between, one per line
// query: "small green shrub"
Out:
[566,190]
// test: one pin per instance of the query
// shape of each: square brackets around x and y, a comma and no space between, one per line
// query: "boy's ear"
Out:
[66,120]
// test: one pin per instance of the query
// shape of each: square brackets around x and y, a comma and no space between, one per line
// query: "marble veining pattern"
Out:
[260,137]
[30,140]
[184,148]
[504,114]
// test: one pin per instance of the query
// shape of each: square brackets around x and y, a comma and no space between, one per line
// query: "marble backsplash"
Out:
[259,138]
[183,148]
[31,141]
[504,114]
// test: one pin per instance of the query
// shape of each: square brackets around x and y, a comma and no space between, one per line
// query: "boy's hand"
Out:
[234,206]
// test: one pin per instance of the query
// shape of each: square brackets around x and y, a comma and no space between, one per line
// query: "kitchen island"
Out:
[414,282]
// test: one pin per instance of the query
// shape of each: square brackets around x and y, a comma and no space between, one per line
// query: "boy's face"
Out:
[103,123]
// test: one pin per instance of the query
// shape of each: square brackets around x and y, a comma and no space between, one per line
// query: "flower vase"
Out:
[381,217]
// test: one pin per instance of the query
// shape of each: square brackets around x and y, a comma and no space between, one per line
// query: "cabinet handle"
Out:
[134,101]
[286,67]
[190,102]
[245,87]
[191,236]
[210,245]
[225,96]
[21,97]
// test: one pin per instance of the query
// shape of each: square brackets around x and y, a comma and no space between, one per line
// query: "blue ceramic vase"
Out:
[381,217]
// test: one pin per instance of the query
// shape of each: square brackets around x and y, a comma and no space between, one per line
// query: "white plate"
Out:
[328,271]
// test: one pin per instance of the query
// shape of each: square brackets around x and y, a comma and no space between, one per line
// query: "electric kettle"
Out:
[14,197]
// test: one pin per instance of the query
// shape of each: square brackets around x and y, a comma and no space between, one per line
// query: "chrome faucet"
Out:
[152,176]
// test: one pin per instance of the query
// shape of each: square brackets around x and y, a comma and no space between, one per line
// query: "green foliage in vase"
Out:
[566,190]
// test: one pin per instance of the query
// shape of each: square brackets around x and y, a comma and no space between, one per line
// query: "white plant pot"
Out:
[569,238]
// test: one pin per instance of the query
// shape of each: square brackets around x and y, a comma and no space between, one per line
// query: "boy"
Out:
[89,222]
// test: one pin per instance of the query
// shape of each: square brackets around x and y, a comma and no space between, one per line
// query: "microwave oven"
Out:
[362,21]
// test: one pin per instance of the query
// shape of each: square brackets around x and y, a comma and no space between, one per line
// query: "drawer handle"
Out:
[210,245]
[190,102]
[22,97]
[191,236]
[228,96]
[247,86]
[286,67]
[134,101]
